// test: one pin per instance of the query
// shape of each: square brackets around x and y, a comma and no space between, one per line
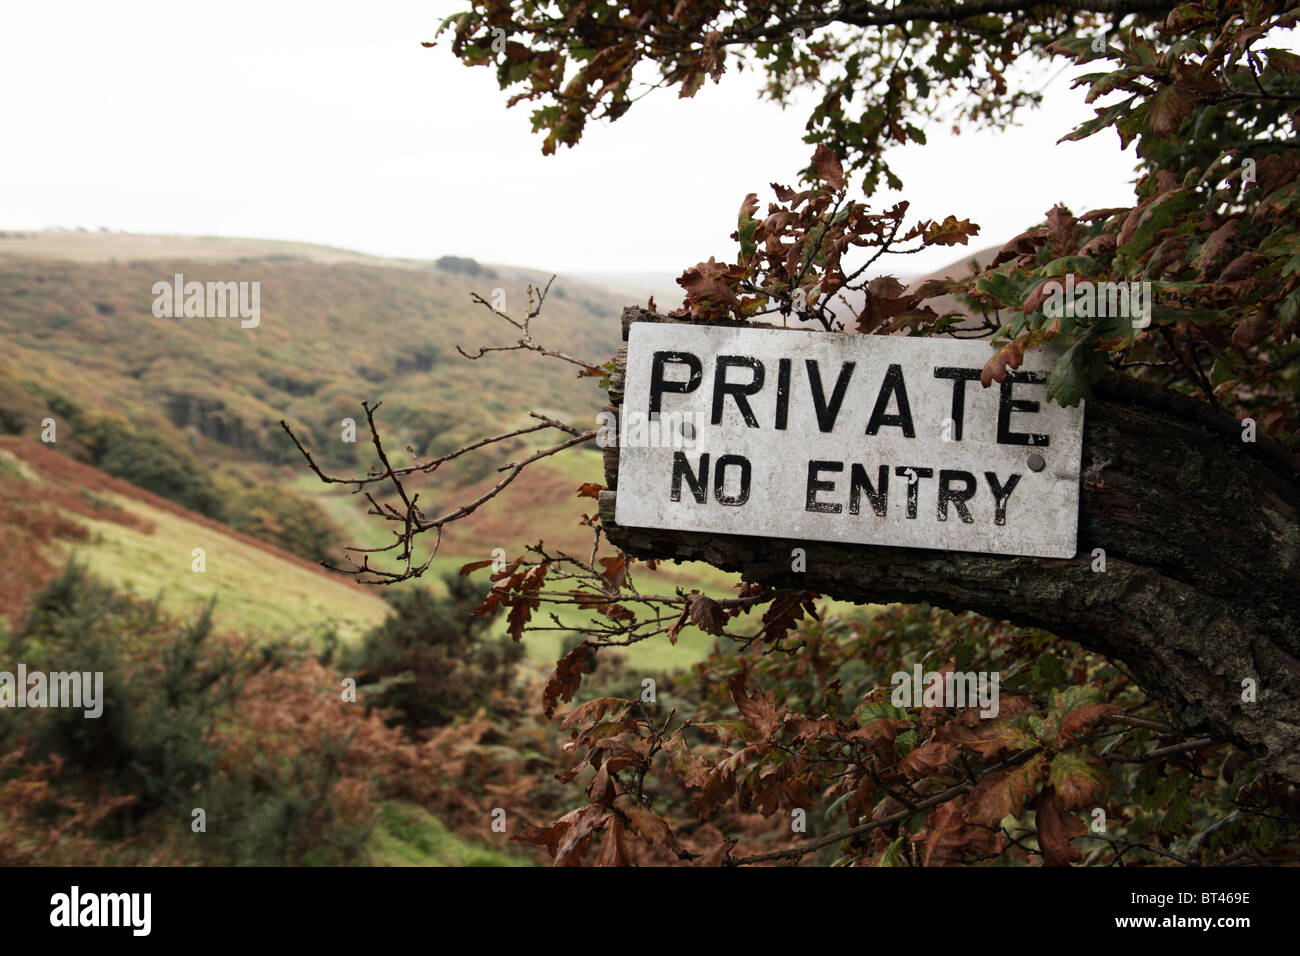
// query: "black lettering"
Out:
[959,376]
[1001,493]
[958,498]
[659,385]
[723,388]
[826,414]
[1007,405]
[682,469]
[913,487]
[782,392]
[878,496]
[815,486]
[719,479]
[892,385]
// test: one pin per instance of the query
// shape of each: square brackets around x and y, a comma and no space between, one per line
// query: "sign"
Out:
[817,436]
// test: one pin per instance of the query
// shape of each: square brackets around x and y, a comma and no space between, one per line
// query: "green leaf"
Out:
[1071,771]
[1048,669]
[1078,265]
[1221,371]
[1158,216]
[870,711]
[836,805]
[1008,290]
[1266,835]
[1071,378]
[893,855]
[1073,697]
[1105,117]
[745,233]
[1281,243]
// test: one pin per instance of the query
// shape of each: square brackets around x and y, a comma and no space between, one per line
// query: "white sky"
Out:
[328,122]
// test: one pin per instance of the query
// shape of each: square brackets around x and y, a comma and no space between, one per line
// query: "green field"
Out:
[408,835]
[257,593]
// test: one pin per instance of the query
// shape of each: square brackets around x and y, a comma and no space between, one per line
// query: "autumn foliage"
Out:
[792,714]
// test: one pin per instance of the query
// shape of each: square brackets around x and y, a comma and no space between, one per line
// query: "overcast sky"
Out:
[328,122]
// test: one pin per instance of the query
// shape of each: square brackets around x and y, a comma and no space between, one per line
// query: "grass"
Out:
[257,593]
[580,464]
[407,835]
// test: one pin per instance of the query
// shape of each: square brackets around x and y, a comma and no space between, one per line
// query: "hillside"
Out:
[53,508]
[197,402]
[330,335]
[84,245]
[82,342]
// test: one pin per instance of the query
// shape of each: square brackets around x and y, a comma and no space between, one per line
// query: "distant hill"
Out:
[960,269]
[85,245]
[848,305]
[336,328]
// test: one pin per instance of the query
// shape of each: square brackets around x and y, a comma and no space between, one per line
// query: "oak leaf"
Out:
[1056,828]
[1004,792]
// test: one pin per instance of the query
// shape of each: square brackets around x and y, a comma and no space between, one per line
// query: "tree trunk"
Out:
[1202,564]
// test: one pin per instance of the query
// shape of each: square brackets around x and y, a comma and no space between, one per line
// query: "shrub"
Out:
[284,777]
[464,266]
[136,455]
[163,689]
[20,410]
[430,660]
[294,523]
[150,463]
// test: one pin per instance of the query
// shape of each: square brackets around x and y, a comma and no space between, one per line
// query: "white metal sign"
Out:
[864,439]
